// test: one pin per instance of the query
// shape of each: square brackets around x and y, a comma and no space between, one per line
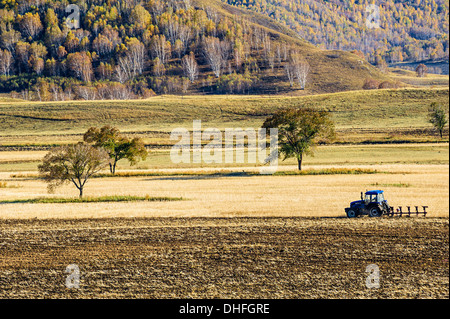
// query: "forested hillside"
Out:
[123,49]
[409,30]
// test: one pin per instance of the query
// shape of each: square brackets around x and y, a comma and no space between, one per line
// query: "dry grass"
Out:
[219,196]
[227,191]
[234,235]
[50,122]
[5,185]
[410,77]
[102,199]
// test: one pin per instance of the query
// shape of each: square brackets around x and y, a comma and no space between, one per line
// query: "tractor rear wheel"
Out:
[375,212]
[351,213]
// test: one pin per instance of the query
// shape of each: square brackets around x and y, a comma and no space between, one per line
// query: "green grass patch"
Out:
[325,171]
[331,171]
[149,174]
[102,199]
[392,185]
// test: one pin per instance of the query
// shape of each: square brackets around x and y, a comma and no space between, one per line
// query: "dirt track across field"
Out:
[225,257]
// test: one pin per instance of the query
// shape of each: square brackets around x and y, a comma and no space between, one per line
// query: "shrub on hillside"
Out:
[236,83]
[388,85]
[371,84]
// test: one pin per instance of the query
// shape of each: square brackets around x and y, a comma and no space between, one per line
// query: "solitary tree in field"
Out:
[72,163]
[116,145]
[299,130]
[421,70]
[438,117]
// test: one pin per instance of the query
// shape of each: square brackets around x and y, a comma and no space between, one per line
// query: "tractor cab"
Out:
[372,203]
[373,197]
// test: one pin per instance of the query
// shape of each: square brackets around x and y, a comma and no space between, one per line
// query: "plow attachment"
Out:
[399,212]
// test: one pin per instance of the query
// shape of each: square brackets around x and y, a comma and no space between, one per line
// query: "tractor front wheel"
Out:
[351,213]
[375,212]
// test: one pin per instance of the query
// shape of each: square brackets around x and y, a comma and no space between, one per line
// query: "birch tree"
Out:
[81,65]
[160,48]
[6,62]
[190,67]
[216,53]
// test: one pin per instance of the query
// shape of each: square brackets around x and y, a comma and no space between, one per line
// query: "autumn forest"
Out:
[133,48]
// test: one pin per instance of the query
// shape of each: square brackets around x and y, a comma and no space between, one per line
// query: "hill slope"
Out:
[129,49]
[414,30]
[331,70]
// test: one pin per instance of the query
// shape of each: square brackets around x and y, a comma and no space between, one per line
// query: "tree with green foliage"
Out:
[72,163]
[116,145]
[299,130]
[438,117]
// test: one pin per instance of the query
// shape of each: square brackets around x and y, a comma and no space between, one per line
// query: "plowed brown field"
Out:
[293,257]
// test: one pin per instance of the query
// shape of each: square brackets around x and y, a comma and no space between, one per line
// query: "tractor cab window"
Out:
[370,198]
[374,198]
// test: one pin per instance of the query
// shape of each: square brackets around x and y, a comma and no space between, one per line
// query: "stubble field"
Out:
[225,258]
[232,194]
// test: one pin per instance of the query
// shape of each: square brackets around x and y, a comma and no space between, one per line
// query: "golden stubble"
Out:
[249,196]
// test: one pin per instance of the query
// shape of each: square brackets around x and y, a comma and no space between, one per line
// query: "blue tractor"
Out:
[372,204]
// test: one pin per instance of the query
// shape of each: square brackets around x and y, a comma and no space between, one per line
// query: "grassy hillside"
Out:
[359,116]
[46,65]
[332,70]
[407,30]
